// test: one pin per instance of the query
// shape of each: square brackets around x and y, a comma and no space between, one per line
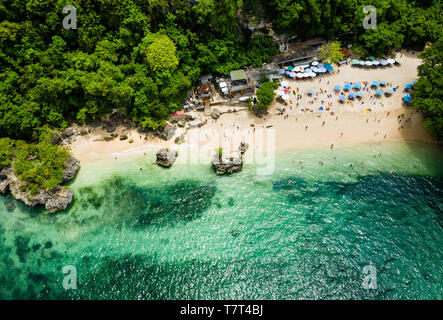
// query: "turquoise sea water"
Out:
[304,232]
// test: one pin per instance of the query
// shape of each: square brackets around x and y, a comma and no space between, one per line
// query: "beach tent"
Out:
[285,84]
[328,67]
[342,98]
[352,95]
[407,98]
[372,58]
[347,86]
[357,85]
[311,91]
[383,82]
[360,94]
[337,87]
[379,92]
[375,83]
[285,97]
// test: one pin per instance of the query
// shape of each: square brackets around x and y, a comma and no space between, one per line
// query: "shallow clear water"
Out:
[306,231]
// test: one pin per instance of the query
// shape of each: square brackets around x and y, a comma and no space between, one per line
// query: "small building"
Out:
[238,77]
[204,92]
[206,78]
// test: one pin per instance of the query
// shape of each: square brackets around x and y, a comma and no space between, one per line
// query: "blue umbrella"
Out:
[408,86]
[389,91]
[383,82]
[347,86]
[311,91]
[328,67]
[357,85]
[337,87]
[360,94]
[407,99]
[281,71]
[342,98]
[379,92]
[308,70]
[375,83]
[352,95]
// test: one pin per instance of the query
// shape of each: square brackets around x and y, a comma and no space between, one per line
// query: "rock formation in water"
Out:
[54,200]
[166,158]
[228,162]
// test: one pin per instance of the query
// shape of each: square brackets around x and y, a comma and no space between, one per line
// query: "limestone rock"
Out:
[166,158]
[227,163]
[71,168]
[166,132]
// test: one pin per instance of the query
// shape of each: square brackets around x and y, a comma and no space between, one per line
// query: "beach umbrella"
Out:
[357,85]
[312,75]
[288,73]
[292,75]
[355,61]
[296,69]
[372,58]
[280,92]
[360,94]
[413,82]
[285,84]
[383,82]
[407,98]
[389,91]
[398,60]
[352,95]
[362,63]
[281,71]
[375,83]
[322,70]
[328,67]
[408,86]
[308,70]
[368,63]
[311,91]
[299,75]
[285,97]
[375,63]
[337,87]
[379,92]
[342,98]
[347,86]
[315,63]
[384,62]
[290,68]
[391,61]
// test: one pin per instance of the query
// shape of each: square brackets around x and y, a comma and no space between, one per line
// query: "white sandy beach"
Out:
[349,124]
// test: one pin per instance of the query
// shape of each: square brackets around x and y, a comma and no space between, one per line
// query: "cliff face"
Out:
[54,200]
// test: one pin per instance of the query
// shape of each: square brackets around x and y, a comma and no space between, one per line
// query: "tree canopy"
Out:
[428,90]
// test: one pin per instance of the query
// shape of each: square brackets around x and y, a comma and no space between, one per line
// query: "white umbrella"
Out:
[315,63]
[280,93]
[375,63]
[391,61]
[312,75]
[296,69]
[368,63]
[285,97]
[300,75]
[285,84]
[292,74]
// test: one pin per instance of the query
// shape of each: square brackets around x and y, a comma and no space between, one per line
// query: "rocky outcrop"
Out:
[228,162]
[166,132]
[54,200]
[165,157]
[180,139]
[71,168]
